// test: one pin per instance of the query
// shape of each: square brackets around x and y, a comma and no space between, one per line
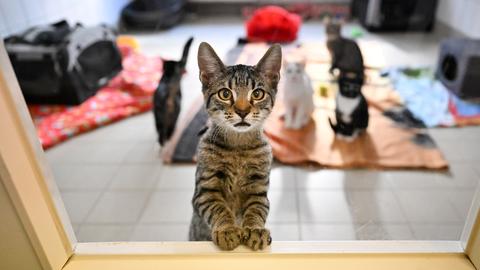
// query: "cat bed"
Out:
[127,94]
[394,138]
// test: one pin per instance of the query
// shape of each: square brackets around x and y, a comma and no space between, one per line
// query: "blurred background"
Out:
[18,15]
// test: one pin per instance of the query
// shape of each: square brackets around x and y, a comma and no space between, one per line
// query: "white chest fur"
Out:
[346,106]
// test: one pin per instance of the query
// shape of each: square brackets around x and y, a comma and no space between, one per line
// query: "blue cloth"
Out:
[426,98]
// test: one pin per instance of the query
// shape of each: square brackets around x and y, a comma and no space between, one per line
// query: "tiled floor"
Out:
[115,187]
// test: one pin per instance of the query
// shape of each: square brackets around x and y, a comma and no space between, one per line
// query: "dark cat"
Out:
[351,110]
[345,53]
[168,96]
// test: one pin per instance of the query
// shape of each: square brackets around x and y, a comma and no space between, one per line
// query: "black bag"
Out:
[394,15]
[59,64]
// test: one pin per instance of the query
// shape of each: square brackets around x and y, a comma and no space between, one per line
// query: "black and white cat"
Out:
[168,96]
[351,110]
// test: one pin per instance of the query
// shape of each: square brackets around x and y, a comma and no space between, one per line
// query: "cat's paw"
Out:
[256,238]
[227,238]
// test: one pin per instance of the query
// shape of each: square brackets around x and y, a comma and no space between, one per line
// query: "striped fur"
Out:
[233,161]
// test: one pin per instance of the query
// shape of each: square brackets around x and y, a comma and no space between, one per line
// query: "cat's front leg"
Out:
[214,211]
[227,237]
[255,235]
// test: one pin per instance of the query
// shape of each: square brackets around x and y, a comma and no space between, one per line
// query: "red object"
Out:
[273,24]
[129,93]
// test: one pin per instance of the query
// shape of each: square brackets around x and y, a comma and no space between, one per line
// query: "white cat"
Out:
[297,95]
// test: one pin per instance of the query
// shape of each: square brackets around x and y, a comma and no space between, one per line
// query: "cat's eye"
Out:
[258,94]
[225,94]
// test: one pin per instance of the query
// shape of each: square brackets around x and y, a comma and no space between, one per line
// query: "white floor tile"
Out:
[138,176]
[89,152]
[284,232]
[119,207]
[341,179]
[69,152]
[79,203]
[319,178]
[464,175]
[177,177]
[282,177]
[367,231]
[374,206]
[437,232]
[283,206]
[471,150]
[144,153]
[420,179]
[104,233]
[462,201]
[323,232]
[366,179]
[161,232]
[83,177]
[477,171]
[427,206]
[107,153]
[125,130]
[171,206]
[76,229]
[324,206]
[376,231]
[453,150]
[459,175]
[349,206]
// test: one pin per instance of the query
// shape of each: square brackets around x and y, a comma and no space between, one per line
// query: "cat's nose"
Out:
[242,113]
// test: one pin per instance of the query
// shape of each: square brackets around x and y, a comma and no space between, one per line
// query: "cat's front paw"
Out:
[227,238]
[256,238]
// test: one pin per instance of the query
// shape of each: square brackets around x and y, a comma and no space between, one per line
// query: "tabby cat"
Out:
[234,158]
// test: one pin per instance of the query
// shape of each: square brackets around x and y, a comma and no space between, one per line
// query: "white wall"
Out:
[17,15]
[461,15]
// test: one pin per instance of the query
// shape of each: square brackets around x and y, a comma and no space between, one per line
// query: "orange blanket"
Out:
[386,144]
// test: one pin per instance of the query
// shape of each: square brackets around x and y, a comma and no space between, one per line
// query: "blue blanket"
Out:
[425,97]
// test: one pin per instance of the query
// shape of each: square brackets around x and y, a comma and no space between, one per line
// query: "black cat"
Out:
[345,53]
[168,96]
[351,110]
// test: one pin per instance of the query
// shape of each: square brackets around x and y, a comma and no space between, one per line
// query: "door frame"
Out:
[31,187]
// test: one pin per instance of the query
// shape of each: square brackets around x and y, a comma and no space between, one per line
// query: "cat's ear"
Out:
[271,63]
[209,63]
